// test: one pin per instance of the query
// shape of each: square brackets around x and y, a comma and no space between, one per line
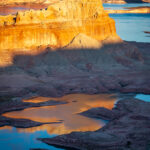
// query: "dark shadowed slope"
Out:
[123,67]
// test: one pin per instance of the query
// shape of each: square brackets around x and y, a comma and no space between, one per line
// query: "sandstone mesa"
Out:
[56,26]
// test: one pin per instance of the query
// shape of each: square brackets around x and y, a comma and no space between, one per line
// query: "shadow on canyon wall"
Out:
[120,67]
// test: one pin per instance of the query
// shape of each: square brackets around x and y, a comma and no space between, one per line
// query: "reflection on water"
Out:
[37,99]
[72,121]
[11,139]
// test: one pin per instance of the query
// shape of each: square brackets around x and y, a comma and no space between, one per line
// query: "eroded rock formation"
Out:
[57,25]
[121,68]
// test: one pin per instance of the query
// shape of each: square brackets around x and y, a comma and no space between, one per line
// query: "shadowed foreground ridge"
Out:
[120,67]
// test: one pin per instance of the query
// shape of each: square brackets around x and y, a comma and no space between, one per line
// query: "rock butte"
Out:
[57,25]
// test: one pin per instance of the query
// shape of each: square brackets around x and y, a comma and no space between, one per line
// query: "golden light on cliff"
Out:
[54,27]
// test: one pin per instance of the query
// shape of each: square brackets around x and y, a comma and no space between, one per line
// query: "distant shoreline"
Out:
[140,10]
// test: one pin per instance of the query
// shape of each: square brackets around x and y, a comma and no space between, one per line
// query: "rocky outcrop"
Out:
[100,113]
[57,25]
[123,67]
[82,41]
[129,130]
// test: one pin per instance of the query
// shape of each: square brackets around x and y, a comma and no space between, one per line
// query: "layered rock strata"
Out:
[57,25]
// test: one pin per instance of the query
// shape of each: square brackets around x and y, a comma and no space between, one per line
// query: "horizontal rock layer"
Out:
[57,25]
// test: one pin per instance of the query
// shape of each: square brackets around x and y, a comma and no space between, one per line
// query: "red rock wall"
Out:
[56,26]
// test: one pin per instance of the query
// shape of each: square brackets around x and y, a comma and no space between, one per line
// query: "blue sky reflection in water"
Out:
[11,139]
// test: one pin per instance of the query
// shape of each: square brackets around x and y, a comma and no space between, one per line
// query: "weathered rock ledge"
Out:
[100,112]
[56,26]
[130,129]
[123,68]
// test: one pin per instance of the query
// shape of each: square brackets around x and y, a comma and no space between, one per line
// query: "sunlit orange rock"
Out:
[57,26]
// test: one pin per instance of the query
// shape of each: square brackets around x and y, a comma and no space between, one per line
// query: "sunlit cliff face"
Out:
[55,26]
[68,113]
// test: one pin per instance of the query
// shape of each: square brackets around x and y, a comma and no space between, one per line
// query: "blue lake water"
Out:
[23,139]
[131,27]
[143,97]
[122,6]
[11,139]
